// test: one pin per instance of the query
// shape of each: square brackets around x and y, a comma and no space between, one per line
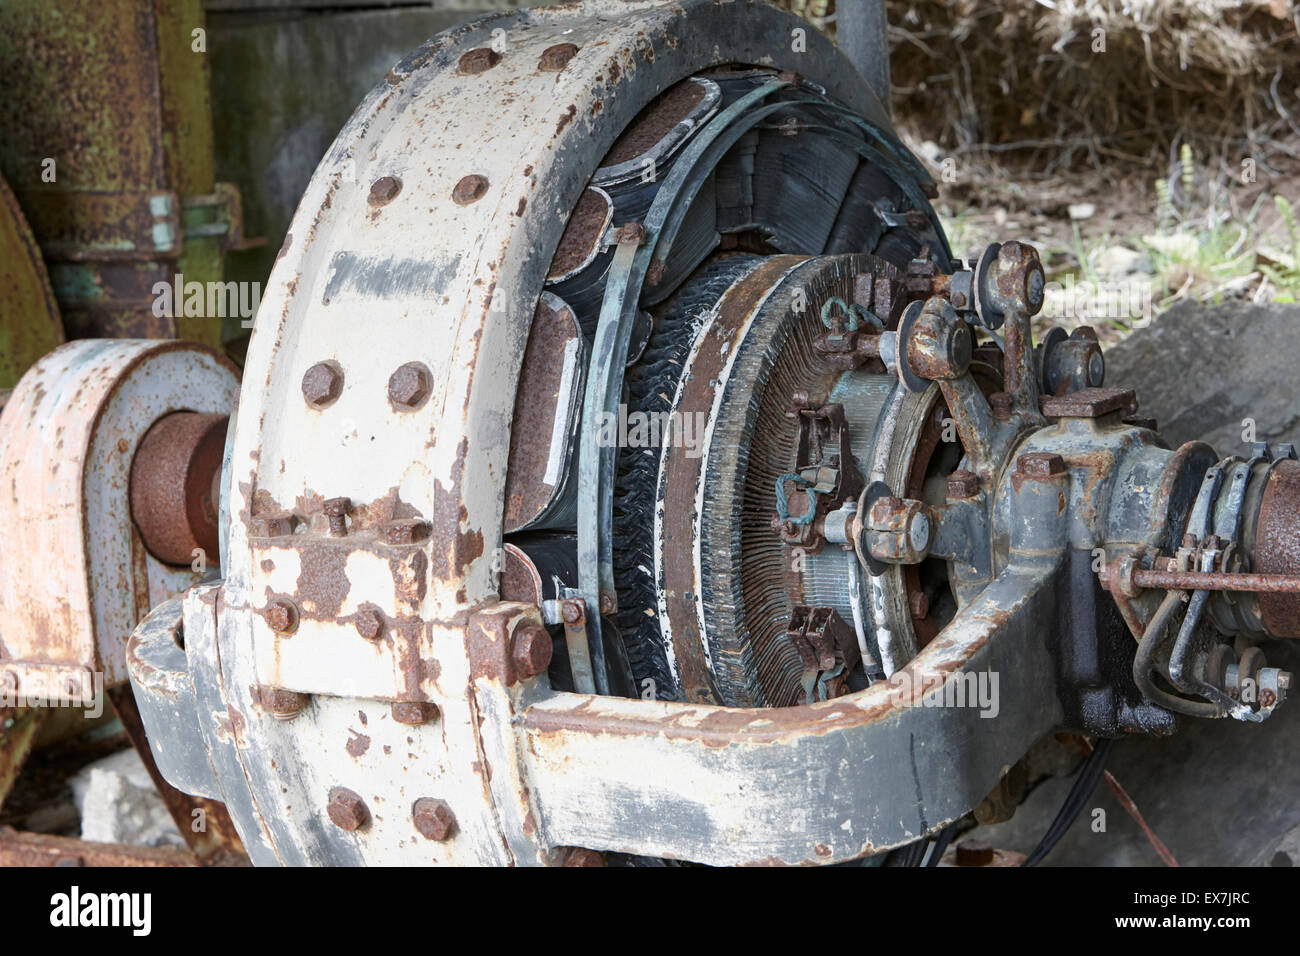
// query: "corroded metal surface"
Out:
[174,488]
[39,849]
[1277,547]
[29,317]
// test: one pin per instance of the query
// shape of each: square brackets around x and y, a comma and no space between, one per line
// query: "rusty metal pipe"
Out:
[1217,581]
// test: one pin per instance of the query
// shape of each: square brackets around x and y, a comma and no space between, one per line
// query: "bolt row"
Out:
[408,387]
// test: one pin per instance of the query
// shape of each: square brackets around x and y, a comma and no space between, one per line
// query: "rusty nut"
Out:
[478,60]
[433,819]
[963,484]
[557,57]
[369,623]
[282,615]
[469,189]
[347,810]
[280,703]
[408,387]
[414,713]
[530,650]
[1040,465]
[580,856]
[384,190]
[322,384]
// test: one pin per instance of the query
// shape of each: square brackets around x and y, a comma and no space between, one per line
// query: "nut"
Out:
[282,616]
[555,58]
[369,623]
[322,384]
[573,611]
[1040,465]
[433,819]
[631,232]
[963,484]
[404,531]
[578,856]
[973,853]
[408,387]
[384,190]
[347,810]
[530,650]
[1001,405]
[470,189]
[280,703]
[273,525]
[478,60]
[413,713]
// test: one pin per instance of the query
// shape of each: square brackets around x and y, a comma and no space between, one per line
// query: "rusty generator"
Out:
[624,469]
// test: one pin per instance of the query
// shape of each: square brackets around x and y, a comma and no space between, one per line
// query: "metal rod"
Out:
[1217,581]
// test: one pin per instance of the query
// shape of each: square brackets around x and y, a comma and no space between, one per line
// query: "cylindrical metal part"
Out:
[175,478]
[1277,547]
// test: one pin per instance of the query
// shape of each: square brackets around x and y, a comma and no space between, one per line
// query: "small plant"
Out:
[1286,276]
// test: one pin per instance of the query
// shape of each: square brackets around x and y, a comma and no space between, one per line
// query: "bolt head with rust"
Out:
[337,507]
[963,484]
[1040,465]
[572,611]
[322,384]
[369,623]
[557,57]
[347,810]
[282,615]
[274,525]
[478,60]
[433,819]
[408,387]
[280,703]
[404,531]
[1001,404]
[580,856]
[530,650]
[384,190]
[414,713]
[919,604]
[469,189]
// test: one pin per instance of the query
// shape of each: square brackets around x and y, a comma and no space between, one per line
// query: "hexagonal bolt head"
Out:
[408,387]
[384,190]
[557,57]
[346,809]
[282,615]
[280,703]
[470,189]
[404,531]
[572,611]
[414,713]
[369,623]
[530,650]
[1040,465]
[963,484]
[273,525]
[1001,404]
[579,856]
[337,510]
[919,605]
[322,384]
[478,60]
[433,819]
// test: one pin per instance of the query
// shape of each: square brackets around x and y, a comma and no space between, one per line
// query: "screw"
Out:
[555,58]
[280,703]
[369,623]
[413,713]
[963,484]
[1000,403]
[1040,465]
[573,612]
[282,616]
[972,853]
[408,387]
[336,509]
[920,605]
[530,650]
[322,384]
[347,810]
[384,190]
[404,531]
[578,856]
[470,189]
[478,60]
[433,819]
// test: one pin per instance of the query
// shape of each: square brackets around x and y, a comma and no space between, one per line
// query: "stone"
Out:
[118,803]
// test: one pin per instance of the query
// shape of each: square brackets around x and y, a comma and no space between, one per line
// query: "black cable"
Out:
[941,844]
[1075,801]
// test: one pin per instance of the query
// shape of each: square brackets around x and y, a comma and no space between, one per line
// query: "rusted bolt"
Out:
[963,484]
[631,232]
[1040,465]
[1284,680]
[273,525]
[530,650]
[414,713]
[336,509]
[346,809]
[572,611]
[404,531]
[280,703]
[384,190]
[607,603]
[433,819]
[322,384]
[470,189]
[408,387]
[478,60]
[282,616]
[369,623]
[579,856]
[555,58]
[1001,404]
[919,604]
[973,853]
